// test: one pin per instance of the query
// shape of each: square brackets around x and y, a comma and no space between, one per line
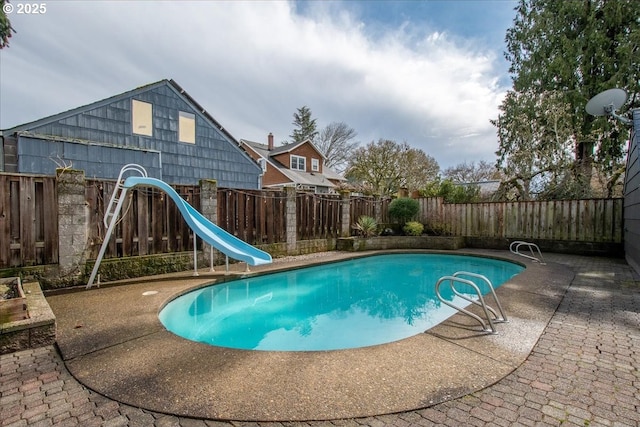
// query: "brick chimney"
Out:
[270,141]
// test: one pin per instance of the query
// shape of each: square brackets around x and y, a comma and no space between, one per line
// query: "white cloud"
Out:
[252,64]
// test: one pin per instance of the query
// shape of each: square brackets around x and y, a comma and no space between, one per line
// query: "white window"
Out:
[142,117]
[315,165]
[186,127]
[298,163]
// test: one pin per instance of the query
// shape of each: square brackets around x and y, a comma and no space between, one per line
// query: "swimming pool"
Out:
[347,304]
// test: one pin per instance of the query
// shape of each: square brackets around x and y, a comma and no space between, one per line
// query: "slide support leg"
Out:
[195,255]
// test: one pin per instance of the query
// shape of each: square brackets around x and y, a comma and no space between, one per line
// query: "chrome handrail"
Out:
[452,280]
[503,316]
[531,246]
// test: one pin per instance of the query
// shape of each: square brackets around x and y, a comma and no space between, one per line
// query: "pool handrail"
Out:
[502,317]
[453,279]
[531,246]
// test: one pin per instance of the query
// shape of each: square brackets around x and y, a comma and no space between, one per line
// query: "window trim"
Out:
[189,134]
[315,165]
[298,160]
[141,113]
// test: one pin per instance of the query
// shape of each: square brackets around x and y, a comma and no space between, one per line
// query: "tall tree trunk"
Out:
[584,166]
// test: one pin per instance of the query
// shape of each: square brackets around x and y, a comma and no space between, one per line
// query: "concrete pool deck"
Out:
[112,342]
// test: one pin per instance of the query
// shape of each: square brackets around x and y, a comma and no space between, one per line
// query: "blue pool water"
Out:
[347,304]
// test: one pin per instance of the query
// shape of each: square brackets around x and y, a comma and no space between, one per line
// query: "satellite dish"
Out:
[606,103]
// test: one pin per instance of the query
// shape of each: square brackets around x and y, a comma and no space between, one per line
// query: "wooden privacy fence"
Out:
[257,217]
[588,220]
[374,207]
[317,216]
[28,220]
[150,222]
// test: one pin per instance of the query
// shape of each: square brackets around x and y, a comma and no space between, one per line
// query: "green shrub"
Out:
[367,225]
[413,228]
[403,209]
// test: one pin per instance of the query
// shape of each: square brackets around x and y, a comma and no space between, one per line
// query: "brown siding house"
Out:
[300,165]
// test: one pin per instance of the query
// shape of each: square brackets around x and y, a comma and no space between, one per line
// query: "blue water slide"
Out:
[220,239]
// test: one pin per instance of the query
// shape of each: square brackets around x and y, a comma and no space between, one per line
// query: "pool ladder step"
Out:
[490,313]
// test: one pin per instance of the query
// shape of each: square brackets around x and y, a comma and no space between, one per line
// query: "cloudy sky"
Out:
[429,73]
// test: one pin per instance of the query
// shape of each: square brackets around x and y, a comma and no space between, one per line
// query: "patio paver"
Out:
[584,370]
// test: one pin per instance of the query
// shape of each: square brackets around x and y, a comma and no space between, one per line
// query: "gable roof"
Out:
[287,148]
[261,149]
[175,87]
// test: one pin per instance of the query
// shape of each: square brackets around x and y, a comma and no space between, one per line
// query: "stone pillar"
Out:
[73,217]
[345,220]
[209,208]
[291,221]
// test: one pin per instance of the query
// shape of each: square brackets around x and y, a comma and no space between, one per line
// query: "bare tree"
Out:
[535,147]
[336,141]
[386,166]
[464,173]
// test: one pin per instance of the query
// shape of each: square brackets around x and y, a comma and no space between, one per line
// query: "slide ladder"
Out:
[490,314]
[215,236]
[111,214]
[119,193]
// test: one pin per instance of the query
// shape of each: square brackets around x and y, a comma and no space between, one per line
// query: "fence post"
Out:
[73,218]
[209,207]
[345,204]
[291,220]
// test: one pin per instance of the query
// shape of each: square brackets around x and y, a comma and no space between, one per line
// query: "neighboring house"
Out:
[300,165]
[158,126]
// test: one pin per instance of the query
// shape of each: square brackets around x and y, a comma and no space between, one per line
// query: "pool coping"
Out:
[113,343]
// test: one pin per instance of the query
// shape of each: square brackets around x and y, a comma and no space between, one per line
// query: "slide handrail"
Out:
[117,192]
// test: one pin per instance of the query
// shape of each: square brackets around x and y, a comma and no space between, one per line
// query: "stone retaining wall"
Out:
[38,330]
[355,244]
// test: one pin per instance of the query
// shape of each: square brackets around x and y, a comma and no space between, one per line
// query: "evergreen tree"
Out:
[5,25]
[305,126]
[569,51]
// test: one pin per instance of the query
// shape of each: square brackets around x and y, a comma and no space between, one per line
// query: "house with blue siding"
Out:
[158,126]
